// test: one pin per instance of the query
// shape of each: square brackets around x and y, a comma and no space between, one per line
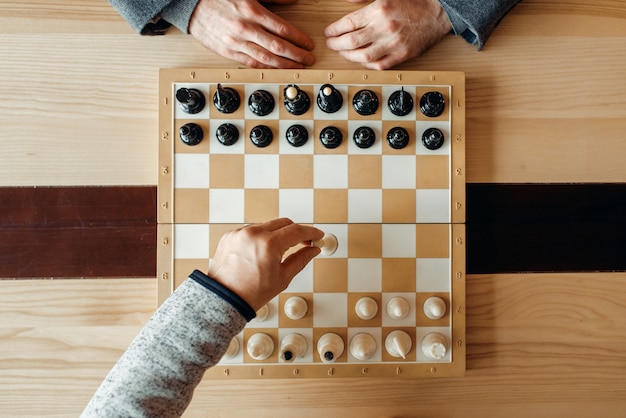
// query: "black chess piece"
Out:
[297,135]
[398,137]
[191,101]
[400,103]
[261,102]
[331,137]
[296,101]
[227,134]
[329,99]
[365,102]
[261,136]
[432,138]
[364,137]
[191,134]
[432,104]
[226,99]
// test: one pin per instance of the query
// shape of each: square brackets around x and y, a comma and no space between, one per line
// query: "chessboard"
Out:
[374,159]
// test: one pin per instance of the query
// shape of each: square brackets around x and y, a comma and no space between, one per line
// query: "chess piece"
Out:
[435,346]
[260,346]
[366,308]
[295,308]
[398,137]
[328,244]
[233,348]
[293,346]
[226,99]
[297,135]
[191,134]
[398,307]
[329,99]
[330,347]
[296,101]
[190,100]
[263,313]
[227,134]
[400,103]
[432,138]
[363,346]
[434,307]
[432,104]
[365,102]
[331,137]
[398,343]
[261,102]
[364,137]
[261,136]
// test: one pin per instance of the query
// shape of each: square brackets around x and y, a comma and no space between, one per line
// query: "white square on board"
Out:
[192,241]
[191,171]
[408,320]
[296,204]
[261,171]
[330,171]
[432,275]
[399,240]
[365,206]
[432,205]
[226,205]
[399,171]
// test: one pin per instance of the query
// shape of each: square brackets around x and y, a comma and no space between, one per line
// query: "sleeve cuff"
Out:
[179,12]
[220,290]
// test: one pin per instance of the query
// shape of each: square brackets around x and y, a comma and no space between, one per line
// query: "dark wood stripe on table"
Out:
[60,232]
[546,228]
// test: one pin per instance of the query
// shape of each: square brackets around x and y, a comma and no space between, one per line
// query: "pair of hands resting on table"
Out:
[380,35]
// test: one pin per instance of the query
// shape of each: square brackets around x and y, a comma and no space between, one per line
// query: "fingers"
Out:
[295,262]
[288,234]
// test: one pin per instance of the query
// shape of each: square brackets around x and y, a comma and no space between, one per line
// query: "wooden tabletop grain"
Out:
[546,103]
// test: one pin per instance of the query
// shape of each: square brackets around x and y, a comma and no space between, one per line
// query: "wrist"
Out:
[225,293]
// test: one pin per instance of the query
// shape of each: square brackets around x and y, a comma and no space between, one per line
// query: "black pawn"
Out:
[296,101]
[400,103]
[261,136]
[190,100]
[331,137]
[329,99]
[432,138]
[227,134]
[365,102]
[432,104]
[364,137]
[297,135]
[226,99]
[261,102]
[398,137]
[191,134]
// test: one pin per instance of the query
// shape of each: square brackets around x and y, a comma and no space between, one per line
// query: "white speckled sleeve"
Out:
[158,373]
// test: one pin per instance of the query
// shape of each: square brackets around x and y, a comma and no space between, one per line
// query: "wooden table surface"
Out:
[546,104]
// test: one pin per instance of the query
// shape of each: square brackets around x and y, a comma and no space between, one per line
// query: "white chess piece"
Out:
[260,346]
[328,244]
[295,308]
[263,313]
[435,346]
[330,347]
[233,348]
[398,343]
[362,346]
[366,308]
[434,307]
[398,307]
[293,346]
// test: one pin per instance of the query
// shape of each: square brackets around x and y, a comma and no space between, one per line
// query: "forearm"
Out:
[148,17]
[476,20]
[158,373]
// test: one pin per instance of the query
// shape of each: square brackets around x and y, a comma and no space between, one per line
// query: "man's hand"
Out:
[388,32]
[246,32]
[249,261]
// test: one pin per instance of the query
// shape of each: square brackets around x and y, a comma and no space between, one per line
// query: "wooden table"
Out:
[546,104]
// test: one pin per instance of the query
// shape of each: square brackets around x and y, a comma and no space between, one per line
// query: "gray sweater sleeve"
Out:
[475,20]
[152,17]
[158,373]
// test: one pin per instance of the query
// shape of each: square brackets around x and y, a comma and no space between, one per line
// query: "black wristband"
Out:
[222,291]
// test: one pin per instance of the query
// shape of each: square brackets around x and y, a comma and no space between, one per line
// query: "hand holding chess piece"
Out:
[328,244]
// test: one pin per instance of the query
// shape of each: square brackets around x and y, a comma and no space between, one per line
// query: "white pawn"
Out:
[366,308]
[398,307]
[328,244]
[398,343]
[293,346]
[295,308]
[233,348]
[362,346]
[330,347]
[435,346]
[260,346]
[434,307]
[263,313]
